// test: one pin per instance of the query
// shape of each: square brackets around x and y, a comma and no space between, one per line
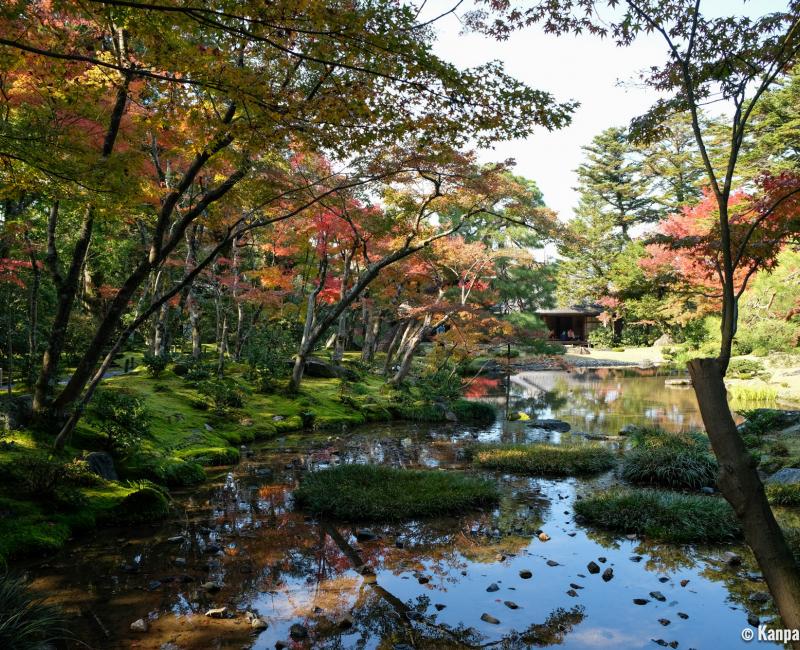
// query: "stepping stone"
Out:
[493,587]
[525,574]
[640,601]
[510,604]
[658,596]
[593,567]
[488,618]
[552,563]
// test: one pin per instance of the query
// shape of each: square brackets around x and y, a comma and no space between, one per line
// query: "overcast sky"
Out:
[594,72]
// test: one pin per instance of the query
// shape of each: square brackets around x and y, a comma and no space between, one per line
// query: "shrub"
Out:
[267,354]
[469,411]
[122,417]
[767,335]
[783,494]
[661,515]
[638,335]
[601,337]
[440,385]
[26,621]
[224,393]
[543,346]
[544,459]
[375,493]
[155,363]
[308,418]
[36,475]
[762,421]
[745,368]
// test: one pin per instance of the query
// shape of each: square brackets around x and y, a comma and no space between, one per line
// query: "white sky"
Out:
[583,68]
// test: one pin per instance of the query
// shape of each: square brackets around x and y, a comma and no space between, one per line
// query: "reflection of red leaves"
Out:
[481,387]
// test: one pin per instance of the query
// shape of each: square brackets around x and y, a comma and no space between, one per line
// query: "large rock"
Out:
[785,476]
[102,464]
[318,368]
[550,425]
[664,339]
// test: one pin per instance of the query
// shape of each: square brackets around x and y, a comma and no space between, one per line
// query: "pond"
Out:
[483,579]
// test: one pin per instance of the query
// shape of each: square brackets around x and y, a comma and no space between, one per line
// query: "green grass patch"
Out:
[661,515]
[477,412]
[375,493]
[672,460]
[783,494]
[544,459]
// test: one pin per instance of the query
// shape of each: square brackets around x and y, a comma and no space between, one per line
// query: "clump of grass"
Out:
[673,460]
[662,515]
[375,493]
[783,494]
[544,459]
[26,622]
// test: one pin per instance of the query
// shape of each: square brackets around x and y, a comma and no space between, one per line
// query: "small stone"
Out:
[493,587]
[674,644]
[753,620]
[760,597]
[439,607]
[608,574]
[664,621]
[139,625]
[636,558]
[572,534]
[510,604]
[365,535]
[217,612]
[208,427]
[258,625]
[525,574]
[179,561]
[631,537]
[640,601]
[731,559]
[707,490]
[602,560]
[423,580]
[683,615]
[298,632]
[572,592]
[658,596]
[593,567]
[488,618]
[660,642]
[575,585]
[177,539]
[663,579]
[552,563]
[544,537]
[684,582]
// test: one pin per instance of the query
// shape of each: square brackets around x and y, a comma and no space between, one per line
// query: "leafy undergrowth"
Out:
[26,621]
[661,515]
[783,494]
[544,459]
[672,460]
[376,493]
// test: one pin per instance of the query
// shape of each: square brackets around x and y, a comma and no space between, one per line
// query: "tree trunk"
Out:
[411,345]
[394,344]
[371,330]
[67,288]
[742,487]
[33,311]
[222,346]
[341,330]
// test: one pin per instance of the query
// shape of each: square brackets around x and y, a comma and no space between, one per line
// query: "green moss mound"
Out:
[661,515]
[375,493]
[146,504]
[544,459]
[214,456]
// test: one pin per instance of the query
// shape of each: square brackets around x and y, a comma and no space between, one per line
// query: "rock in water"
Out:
[298,632]
[658,596]
[488,618]
[139,625]
[608,574]
[258,625]
[493,587]
[593,567]
[550,425]
[510,604]
[731,559]
[525,574]
[102,464]
[217,612]
[544,537]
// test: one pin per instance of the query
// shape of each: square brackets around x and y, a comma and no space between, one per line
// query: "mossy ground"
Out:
[377,493]
[661,515]
[186,434]
[544,459]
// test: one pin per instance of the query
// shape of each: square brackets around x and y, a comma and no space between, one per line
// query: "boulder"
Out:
[318,368]
[664,339]
[550,425]
[102,464]
[139,625]
[785,476]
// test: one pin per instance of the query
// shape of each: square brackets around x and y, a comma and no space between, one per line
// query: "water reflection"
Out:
[480,579]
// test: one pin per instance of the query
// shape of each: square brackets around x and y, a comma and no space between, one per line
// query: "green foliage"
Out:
[601,337]
[762,421]
[544,459]
[471,411]
[155,363]
[672,464]
[26,621]
[441,384]
[224,393]
[268,353]
[767,335]
[122,417]
[376,493]
[661,515]
[214,456]
[543,346]
[639,335]
[745,368]
[783,494]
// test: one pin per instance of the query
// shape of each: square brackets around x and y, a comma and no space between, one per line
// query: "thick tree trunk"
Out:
[67,288]
[742,487]
[371,330]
